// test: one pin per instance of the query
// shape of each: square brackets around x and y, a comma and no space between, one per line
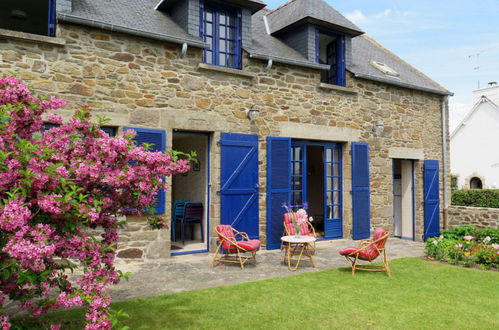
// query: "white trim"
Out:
[483,99]
[159,4]
[266,22]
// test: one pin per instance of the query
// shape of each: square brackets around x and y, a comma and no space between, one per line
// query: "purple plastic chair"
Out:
[193,213]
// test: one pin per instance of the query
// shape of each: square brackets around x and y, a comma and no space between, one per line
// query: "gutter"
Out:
[402,84]
[445,103]
[127,30]
[289,61]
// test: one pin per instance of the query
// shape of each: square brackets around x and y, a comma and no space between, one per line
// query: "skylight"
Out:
[384,68]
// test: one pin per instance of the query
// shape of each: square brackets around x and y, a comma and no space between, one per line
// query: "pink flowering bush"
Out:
[54,187]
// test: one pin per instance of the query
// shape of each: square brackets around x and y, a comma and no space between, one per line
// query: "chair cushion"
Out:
[348,250]
[250,245]
[364,255]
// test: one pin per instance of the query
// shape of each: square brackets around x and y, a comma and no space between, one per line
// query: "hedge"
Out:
[476,197]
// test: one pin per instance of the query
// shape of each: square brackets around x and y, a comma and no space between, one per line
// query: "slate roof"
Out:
[141,16]
[134,14]
[265,44]
[366,49]
[317,11]
[253,5]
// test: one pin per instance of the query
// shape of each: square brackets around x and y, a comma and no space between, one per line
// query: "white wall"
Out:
[473,147]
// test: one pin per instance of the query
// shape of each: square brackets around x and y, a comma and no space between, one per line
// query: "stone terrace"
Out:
[190,272]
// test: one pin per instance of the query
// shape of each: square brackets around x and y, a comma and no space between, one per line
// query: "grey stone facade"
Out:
[146,83]
[481,217]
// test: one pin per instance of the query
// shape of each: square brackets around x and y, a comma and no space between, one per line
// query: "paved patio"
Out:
[190,272]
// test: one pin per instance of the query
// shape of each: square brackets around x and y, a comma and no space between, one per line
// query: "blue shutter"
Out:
[278,187]
[360,190]
[158,140]
[341,66]
[239,182]
[431,199]
[52,18]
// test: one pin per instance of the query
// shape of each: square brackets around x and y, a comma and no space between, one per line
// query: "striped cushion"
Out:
[348,250]
[362,254]
[250,245]
[290,228]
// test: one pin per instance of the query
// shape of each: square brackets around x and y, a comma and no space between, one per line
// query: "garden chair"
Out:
[193,213]
[234,246]
[177,216]
[306,229]
[369,250]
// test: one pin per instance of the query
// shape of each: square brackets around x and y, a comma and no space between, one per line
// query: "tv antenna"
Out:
[477,65]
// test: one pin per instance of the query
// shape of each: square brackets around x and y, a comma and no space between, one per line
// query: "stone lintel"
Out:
[6,34]
[406,153]
[192,120]
[315,132]
[237,72]
[338,88]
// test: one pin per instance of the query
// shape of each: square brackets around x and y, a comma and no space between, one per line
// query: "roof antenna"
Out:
[477,66]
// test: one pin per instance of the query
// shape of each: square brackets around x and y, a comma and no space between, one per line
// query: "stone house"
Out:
[472,162]
[288,105]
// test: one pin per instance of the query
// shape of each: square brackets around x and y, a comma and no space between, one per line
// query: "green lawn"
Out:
[420,294]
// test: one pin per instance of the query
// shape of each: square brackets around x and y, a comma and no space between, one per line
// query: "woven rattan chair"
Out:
[306,229]
[369,250]
[234,246]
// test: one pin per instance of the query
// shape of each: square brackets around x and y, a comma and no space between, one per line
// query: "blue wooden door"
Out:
[360,190]
[157,139]
[333,224]
[239,182]
[278,187]
[431,199]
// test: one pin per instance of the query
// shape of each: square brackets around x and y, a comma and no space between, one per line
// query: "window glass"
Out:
[221,32]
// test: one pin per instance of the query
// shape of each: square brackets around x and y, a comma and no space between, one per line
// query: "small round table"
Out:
[297,249]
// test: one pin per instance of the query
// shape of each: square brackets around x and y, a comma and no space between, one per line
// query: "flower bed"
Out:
[466,245]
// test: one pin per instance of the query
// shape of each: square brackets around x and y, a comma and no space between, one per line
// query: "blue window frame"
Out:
[52,19]
[332,180]
[330,49]
[221,29]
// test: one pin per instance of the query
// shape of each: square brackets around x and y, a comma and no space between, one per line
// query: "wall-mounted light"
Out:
[378,127]
[252,113]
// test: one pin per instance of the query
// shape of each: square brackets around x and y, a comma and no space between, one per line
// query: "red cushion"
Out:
[348,250]
[250,245]
[364,255]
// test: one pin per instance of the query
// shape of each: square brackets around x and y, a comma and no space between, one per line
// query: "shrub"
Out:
[466,245]
[457,233]
[453,182]
[54,188]
[476,198]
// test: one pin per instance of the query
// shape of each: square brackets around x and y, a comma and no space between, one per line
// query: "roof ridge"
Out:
[281,6]
[389,52]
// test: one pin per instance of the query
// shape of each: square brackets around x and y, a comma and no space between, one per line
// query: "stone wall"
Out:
[481,217]
[146,83]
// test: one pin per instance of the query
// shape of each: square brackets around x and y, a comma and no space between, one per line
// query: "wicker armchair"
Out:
[369,250]
[234,246]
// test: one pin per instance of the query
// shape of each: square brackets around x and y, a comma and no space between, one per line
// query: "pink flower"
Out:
[458,245]
[468,237]
[487,239]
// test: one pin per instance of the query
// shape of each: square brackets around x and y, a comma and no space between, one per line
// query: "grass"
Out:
[420,294]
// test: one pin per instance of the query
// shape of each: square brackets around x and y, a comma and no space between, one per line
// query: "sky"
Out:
[454,42]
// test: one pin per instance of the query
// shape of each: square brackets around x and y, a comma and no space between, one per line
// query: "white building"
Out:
[474,143]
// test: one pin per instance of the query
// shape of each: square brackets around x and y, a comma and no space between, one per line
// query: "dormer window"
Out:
[36,17]
[221,29]
[330,50]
